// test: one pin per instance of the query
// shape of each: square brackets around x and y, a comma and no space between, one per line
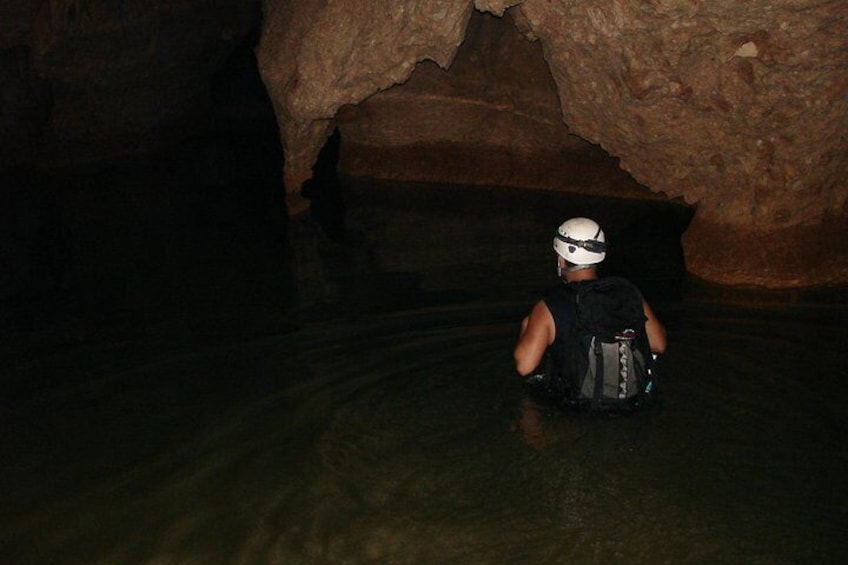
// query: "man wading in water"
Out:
[591,342]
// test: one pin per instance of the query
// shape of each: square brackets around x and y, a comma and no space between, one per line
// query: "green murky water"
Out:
[165,402]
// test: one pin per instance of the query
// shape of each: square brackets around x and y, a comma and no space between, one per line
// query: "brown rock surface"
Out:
[740,108]
[315,57]
[492,118]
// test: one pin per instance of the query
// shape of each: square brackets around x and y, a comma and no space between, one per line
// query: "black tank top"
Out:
[561,303]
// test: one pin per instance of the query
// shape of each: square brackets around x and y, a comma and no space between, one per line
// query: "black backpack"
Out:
[604,362]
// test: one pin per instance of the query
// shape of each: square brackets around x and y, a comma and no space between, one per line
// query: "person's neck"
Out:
[581,275]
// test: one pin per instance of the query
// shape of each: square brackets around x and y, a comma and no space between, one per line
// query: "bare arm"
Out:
[537,333]
[654,329]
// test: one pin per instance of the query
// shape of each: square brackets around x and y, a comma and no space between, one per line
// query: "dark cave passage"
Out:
[203,224]
[184,359]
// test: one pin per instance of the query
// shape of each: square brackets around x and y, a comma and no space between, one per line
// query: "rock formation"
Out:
[739,108]
[492,118]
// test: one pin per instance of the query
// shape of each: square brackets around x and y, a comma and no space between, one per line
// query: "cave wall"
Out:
[86,80]
[738,108]
[316,57]
[493,117]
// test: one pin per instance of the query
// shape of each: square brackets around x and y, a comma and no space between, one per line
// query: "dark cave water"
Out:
[169,398]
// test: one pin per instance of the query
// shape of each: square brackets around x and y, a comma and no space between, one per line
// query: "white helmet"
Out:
[580,241]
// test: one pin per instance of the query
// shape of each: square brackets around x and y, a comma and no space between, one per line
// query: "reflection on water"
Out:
[207,421]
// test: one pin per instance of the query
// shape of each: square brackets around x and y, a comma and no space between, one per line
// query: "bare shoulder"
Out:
[541,310]
[537,334]
[542,322]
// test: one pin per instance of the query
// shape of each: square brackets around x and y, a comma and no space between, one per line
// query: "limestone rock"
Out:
[493,117]
[739,108]
[316,57]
